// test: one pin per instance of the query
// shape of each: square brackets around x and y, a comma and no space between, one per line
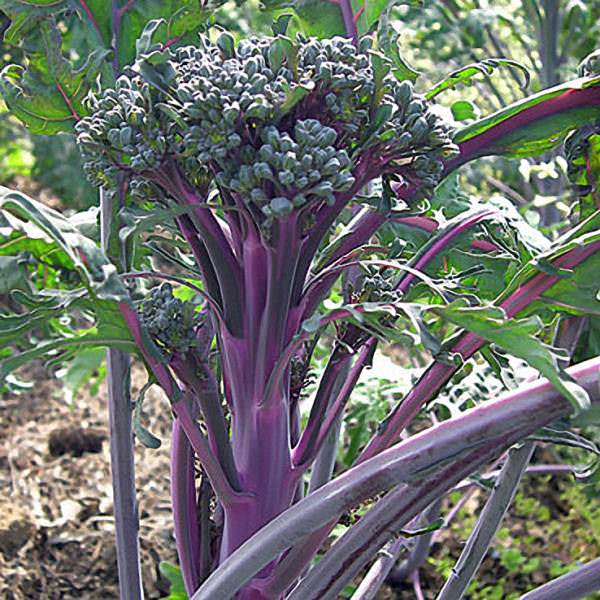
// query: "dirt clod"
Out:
[16,528]
[75,441]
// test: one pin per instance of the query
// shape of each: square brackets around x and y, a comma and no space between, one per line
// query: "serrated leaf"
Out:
[388,43]
[95,270]
[84,366]
[518,338]
[485,68]
[67,346]
[48,96]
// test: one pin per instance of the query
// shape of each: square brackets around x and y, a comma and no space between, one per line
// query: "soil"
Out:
[56,523]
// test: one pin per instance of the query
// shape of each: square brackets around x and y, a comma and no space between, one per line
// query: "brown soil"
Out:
[56,523]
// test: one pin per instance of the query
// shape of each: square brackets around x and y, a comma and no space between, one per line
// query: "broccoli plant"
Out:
[300,188]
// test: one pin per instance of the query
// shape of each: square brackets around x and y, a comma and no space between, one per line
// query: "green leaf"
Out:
[41,309]
[68,347]
[434,526]
[144,44]
[463,110]
[26,16]
[147,438]
[21,238]
[518,337]
[319,19]
[183,18]
[545,127]
[48,95]
[85,365]
[95,270]
[580,288]
[280,24]
[173,574]
[13,275]
[295,95]
[388,43]
[62,320]
[582,150]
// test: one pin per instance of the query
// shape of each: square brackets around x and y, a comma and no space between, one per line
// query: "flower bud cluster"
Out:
[124,133]
[379,285]
[287,171]
[170,322]
[281,123]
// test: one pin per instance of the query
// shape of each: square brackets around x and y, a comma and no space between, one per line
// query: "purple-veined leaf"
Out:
[48,95]
[530,126]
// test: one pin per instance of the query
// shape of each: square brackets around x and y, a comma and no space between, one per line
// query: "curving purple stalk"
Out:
[494,140]
[441,242]
[438,374]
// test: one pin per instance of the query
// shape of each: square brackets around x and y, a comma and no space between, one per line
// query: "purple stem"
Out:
[488,522]
[200,253]
[337,364]
[316,431]
[203,384]
[349,24]
[123,475]
[377,574]
[577,584]
[416,581]
[384,522]
[183,501]
[380,569]
[214,470]
[478,434]
[429,384]
[116,30]
[422,543]
[325,217]
[225,265]
[368,221]
[490,141]
[439,245]
[438,374]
